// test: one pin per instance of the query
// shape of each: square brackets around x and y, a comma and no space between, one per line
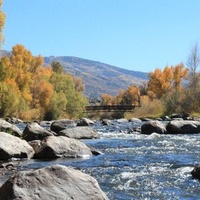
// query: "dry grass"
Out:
[150,109]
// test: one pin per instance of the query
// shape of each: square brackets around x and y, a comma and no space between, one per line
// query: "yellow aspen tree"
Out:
[119,97]
[131,96]
[155,84]
[2,23]
[107,99]
[168,77]
[179,73]
[24,67]
[79,86]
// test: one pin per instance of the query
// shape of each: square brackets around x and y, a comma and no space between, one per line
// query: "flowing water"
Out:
[135,166]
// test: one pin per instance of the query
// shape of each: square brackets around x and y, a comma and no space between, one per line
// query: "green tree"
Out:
[76,101]
[10,99]
[56,107]
[57,67]
[4,68]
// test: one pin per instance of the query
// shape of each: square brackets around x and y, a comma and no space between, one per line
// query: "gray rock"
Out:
[166,118]
[55,182]
[183,126]
[9,128]
[135,120]
[94,151]
[13,120]
[34,131]
[67,122]
[35,144]
[79,133]
[85,122]
[45,123]
[153,127]
[122,120]
[62,124]
[196,172]
[145,119]
[14,147]
[107,122]
[56,147]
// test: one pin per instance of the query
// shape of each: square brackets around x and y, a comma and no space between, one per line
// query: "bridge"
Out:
[111,108]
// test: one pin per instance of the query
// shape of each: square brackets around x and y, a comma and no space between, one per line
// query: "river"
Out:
[135,166]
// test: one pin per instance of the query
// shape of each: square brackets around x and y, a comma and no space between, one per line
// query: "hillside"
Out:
[98,77]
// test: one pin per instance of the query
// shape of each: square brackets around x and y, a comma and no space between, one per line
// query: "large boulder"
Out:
[183,126]
[54,182]
[153,126]
[62,124]
[34,131]
[56,147]
[9,128]
[14,147]
[79,133]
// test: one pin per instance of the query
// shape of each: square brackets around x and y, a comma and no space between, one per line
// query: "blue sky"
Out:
[139,35]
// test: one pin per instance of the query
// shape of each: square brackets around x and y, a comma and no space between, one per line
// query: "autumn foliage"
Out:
[164,93]
[130,96]
[164,81]
[2,23]
[31,91]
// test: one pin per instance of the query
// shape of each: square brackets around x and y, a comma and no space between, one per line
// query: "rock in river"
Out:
[183,126]
[10,128]
[196,172]
[79,133]
[62,124]
[55,182]
[34,131]
[56,147]
[85,122]
[153,126]
[14,147]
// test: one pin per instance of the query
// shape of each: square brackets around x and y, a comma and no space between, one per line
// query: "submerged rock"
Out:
[55,182]
[14,147]
[56,147]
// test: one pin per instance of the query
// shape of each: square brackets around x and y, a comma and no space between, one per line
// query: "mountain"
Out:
[99,77]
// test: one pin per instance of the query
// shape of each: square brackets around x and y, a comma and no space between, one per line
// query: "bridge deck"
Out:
[111,108]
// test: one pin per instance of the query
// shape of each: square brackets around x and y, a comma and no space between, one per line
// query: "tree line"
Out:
[29,90]
[175,89]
